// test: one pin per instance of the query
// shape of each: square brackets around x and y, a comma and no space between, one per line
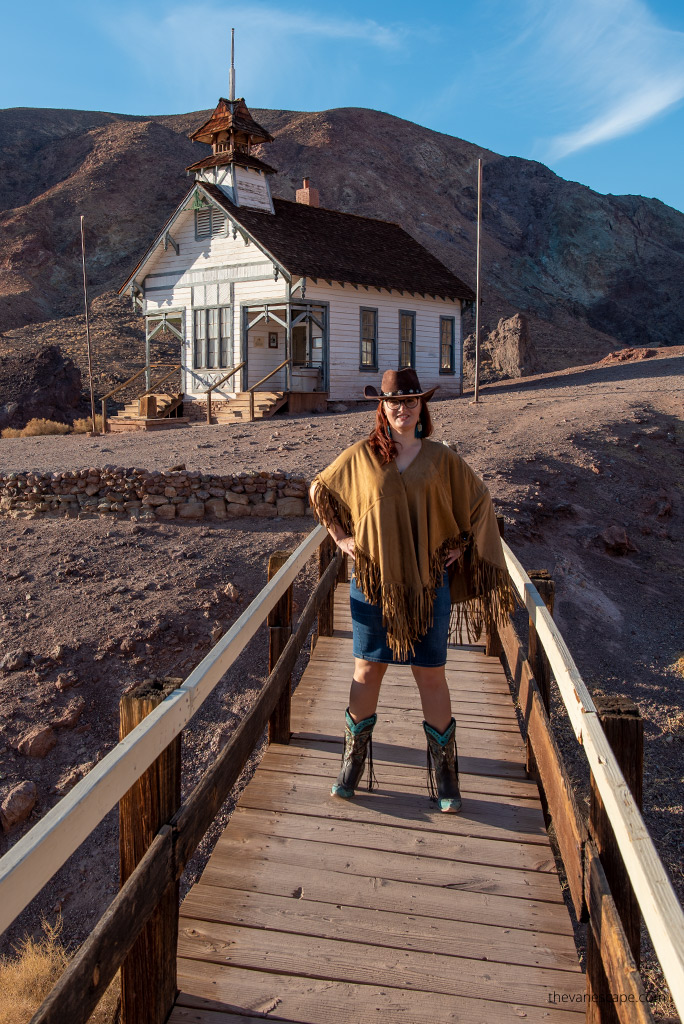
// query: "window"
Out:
[368,358]
[209,222]
[407,339]
[446,344]
[211,345]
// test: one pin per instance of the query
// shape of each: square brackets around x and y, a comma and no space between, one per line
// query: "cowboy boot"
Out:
[443,767]
[357,741]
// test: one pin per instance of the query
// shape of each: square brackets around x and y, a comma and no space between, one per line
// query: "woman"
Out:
[423,535]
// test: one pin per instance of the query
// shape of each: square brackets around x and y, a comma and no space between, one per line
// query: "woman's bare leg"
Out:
[434,696]
[365,688]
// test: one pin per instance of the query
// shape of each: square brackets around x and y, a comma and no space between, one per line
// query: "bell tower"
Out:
[232,132]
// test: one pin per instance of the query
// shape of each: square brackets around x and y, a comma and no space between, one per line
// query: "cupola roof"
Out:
[231,116]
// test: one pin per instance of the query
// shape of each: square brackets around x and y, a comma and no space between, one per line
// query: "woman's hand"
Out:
[346,544]
[453,555]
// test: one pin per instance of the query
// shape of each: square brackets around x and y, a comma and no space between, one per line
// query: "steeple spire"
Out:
[231,97]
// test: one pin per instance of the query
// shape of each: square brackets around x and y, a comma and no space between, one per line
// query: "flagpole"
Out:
[477,282]
[87,321]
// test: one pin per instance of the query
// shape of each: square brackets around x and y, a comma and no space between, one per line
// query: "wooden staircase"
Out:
[266,403]
[151,412]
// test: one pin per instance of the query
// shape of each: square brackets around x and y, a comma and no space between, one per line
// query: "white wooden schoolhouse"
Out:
[251,284]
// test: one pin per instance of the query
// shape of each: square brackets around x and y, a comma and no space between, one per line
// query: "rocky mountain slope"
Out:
[591,272]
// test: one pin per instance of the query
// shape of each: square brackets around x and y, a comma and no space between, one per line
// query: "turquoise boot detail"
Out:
[357,743]
[442,761]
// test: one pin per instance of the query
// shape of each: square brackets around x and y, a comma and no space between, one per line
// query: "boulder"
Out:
[616,541]
[15,660]
[511,351]
[17,805]
[192,510]
[165,511]
[70,716]
[264,511]
[38,741]
[216,507]
[288,507]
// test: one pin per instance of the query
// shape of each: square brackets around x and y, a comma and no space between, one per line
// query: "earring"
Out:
[419,429]
[387,430]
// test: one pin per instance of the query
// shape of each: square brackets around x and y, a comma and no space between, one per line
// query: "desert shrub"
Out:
[28,976]
[36,427]
[85,425]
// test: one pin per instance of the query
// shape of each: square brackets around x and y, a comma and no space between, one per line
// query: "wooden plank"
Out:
[359,962]
[570,829]
[376,892]
[481,816]
[314,687]
[413,713]
[475,763]
[618,963]
[337,1002]
[313,763]
[401,840]
[381,928]
[422,869]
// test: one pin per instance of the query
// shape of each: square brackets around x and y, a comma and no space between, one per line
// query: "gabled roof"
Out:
[311,241]
[229,116]
[223,159]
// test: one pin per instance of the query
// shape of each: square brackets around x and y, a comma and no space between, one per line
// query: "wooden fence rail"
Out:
[86,978]
[32,862]
[588,885]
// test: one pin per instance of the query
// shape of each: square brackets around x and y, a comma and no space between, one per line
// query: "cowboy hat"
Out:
[398,384]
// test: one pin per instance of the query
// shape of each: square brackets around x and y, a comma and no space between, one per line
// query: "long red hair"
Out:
[380,440]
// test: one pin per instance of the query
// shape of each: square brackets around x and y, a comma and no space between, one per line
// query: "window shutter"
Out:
[218,223]
[203,222]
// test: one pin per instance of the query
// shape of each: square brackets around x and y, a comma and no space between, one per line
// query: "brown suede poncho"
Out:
[403,524]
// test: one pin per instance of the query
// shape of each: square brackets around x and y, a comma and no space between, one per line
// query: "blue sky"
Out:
[593,88]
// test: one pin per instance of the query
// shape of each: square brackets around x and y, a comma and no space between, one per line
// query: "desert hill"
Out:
[592,272]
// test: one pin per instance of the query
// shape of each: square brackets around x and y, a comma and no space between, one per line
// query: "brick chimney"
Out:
[308,196]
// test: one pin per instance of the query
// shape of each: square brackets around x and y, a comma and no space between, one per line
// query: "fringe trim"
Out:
[492,602]
[406,613]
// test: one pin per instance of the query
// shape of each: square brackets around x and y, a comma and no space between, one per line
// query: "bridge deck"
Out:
[381,909]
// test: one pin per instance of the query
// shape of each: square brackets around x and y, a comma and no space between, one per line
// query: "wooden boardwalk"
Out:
[381,909]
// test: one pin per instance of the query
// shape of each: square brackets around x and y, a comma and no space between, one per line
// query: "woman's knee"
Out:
[430,678]
[368,672]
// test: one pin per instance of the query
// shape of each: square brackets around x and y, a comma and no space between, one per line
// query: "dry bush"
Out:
[35,428]
[28,976]
[85,425]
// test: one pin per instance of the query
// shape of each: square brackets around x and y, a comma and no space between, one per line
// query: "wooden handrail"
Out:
[174,367]
[35,858]
[86,978]
[120,387]
[218,384]
[250,391]
[659,905]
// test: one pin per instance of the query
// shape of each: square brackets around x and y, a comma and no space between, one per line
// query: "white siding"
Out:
[346,380]
[253,189]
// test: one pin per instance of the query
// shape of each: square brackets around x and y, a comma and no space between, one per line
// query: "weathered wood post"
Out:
[624,729]
[148,974]
[326,553]
[279,632]
[209,406]
[493,645]
[536,656]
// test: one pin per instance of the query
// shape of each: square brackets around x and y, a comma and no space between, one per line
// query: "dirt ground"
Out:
[584,465]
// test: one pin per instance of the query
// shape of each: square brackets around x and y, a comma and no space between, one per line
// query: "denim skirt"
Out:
[370,636]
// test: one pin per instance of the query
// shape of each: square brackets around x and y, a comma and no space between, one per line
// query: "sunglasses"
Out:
[396,403]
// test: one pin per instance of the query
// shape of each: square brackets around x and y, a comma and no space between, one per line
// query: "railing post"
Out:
[104,416]
[148,974]
[539,663]
[326,553]
[493,645]
[279,632]
[251,406]
[209,406]
[343,574]
[624,729]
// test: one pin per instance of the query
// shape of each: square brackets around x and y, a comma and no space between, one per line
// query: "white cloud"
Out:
[611,66]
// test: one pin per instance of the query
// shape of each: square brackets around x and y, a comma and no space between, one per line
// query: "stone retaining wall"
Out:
[142,494]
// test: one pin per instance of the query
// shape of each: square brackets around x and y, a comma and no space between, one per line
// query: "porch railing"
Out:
[120,387]
[250,391]
[218,384]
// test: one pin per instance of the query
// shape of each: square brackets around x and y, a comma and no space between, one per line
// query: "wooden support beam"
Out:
[148,974]
[326,554]
[624,729]
[279,632]
[493,648]
[539,663]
